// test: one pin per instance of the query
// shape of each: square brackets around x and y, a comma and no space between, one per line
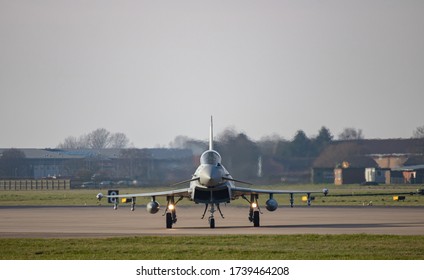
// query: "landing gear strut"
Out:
[254,211]
[211,217]
[171,212]
[212,211]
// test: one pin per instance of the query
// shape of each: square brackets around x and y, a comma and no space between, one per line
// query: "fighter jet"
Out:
[211,185]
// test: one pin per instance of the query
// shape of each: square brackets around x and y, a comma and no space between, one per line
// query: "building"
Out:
[146,165]
[377,175]
[349,175]
[374,153]
[412,174]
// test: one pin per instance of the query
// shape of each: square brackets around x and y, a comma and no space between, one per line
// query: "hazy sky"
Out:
[157,69]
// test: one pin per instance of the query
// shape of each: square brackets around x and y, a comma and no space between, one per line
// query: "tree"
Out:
[97,139]
[184,142]
[321,141]
[179,142]
[351,134]
[269,145]
[418,132]
[301,144]
[119,140]
[324,136]
[72,142]
[134,163]
[241,153]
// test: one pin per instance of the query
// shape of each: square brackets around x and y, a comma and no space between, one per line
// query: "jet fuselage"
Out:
[212,185]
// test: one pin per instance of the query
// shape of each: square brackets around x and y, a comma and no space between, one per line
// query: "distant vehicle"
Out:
[126,183]
[106,184]
[88,184]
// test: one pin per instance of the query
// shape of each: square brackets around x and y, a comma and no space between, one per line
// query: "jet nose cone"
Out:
[210,176]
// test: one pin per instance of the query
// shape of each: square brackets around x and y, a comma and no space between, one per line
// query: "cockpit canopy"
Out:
[210,157]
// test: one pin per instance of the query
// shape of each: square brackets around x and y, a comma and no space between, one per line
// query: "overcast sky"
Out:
[157,69]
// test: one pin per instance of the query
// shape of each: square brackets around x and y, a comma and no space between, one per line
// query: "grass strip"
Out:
[245,247]
[87,197]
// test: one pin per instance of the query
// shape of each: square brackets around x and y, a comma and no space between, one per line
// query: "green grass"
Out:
[87,197]
[260,247]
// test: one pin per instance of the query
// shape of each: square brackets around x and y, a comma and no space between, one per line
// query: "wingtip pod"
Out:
[325,191]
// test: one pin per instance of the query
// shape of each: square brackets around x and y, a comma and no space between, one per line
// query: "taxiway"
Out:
[72,222]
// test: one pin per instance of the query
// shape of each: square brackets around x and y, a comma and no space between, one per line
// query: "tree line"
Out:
[302,145]
[100,138]
[241,155]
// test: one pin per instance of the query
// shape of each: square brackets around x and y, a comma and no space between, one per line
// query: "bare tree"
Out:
[418,132]
[184,142]
[179,142]
[351,134]
[97,139]
[72,142]
[118,140]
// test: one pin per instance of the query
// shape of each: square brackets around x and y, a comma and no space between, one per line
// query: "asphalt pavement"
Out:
[72,222]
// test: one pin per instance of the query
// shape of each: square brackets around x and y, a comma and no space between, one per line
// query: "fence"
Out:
[26,185]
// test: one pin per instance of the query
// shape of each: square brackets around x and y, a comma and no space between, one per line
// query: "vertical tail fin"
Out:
[211,135]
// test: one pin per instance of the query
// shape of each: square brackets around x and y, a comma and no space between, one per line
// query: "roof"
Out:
[359,152]
[44,154]
[165,154]
[92,153]
[409,168]
[159,153]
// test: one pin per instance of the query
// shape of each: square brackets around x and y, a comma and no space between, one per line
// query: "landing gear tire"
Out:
[168,220]
[256,219]
[212,223]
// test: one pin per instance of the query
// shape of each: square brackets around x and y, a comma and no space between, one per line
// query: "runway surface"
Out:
[72,222]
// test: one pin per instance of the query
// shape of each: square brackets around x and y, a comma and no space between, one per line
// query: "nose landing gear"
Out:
[211,218]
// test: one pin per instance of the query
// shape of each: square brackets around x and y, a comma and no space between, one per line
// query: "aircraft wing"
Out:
[180,192]
[238,191]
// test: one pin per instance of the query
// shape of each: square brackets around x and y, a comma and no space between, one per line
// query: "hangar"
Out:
[387,154]
[145,165]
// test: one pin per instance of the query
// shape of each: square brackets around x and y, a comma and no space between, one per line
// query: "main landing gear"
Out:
[171,212]
[254,211]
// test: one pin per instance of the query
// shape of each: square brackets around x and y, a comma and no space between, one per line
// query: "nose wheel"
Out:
[211,222]
[212,211]
[211,217]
